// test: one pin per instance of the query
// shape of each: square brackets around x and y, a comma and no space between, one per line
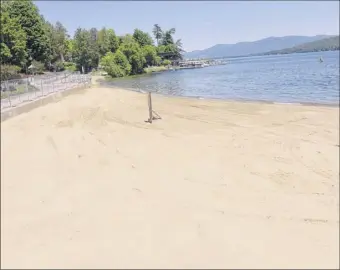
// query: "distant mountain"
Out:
[255,47]
[326,44]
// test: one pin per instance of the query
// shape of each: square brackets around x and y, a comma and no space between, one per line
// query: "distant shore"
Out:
[230,179]
[271,54]
[295,52]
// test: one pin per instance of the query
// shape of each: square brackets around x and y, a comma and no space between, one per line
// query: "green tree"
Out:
[32,24]
[142,38]
[157,32]
[85,49]
[107,41]
[109,65]
[158,60]
[69,49]
[37,67]
[58,43]
[176,50]
[128,45]
[59,40]
[150,54]
[53,55]
[121,60]
[94,48]
[70,66]
[167,38]
[116,64]
[120,40]
[161,49]
[12,41]
[59,65]
[134,54]
[5,53]
[137,62]
[166,62]
[172,49]
[81,53]
[169,45]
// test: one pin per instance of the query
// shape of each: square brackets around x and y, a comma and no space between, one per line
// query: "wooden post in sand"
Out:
[150,107]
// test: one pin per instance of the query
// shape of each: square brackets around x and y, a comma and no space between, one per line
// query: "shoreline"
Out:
[44,100]
[331,105]
[230,179]
[102,84]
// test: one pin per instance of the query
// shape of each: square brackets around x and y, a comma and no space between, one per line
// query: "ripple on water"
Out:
[297,78]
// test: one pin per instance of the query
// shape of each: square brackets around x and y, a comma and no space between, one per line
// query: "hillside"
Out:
[326,44]
[255,47]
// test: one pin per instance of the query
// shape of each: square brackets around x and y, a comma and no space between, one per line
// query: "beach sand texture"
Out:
[86,183]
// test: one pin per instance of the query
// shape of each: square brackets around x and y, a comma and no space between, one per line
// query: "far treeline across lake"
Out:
[29,42]
[326,44]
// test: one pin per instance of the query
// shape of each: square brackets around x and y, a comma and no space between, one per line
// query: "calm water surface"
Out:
[294,78]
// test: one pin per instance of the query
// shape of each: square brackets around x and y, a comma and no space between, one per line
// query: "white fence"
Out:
[16,92]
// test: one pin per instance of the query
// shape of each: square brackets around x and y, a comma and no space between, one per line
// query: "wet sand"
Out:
[87,183]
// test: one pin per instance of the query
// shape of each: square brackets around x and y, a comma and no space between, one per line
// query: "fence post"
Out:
[19,95]
[42,89]
[28,95]
[9,96]
[150,107]
[35,88]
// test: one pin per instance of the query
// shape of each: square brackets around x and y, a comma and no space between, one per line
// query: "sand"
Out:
[86,183]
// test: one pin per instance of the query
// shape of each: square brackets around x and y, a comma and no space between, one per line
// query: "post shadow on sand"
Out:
[152,114]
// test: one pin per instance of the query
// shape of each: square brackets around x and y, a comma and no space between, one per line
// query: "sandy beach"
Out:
[87,183]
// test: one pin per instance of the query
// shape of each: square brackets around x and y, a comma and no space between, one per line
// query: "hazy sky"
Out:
[200,24]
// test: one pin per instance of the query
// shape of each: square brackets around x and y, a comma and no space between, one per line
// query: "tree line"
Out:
[28,40]
[325,44]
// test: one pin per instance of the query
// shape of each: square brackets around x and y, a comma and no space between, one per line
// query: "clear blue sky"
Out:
[200,24]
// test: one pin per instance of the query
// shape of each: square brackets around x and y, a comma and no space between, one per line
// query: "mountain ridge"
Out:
[325,44]
[253,47]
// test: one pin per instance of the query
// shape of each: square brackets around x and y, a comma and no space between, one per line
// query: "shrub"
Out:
[59,66]
[114,70]
[131,49]
[137,61]
[150,55]
[121,60]
[9,72]
[158,60]
[37,67]
[116,64]
[70,66]
[166,62]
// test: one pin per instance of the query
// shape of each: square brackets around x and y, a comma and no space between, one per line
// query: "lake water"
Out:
[294,78]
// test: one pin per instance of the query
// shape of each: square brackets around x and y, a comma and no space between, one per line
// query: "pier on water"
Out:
[190,63]
[198,63]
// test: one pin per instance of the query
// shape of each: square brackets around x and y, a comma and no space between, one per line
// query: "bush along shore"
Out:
[48,47]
